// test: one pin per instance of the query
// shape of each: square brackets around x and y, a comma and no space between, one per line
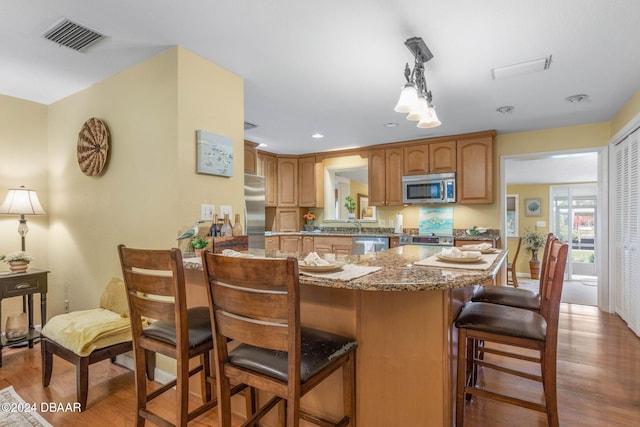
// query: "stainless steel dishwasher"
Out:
[366,244]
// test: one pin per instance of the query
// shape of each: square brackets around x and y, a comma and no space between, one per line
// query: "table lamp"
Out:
[22,201]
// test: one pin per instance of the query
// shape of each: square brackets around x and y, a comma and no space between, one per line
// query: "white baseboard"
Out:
[159,375]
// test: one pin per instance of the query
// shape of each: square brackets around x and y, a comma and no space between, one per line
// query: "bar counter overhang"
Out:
[402,317]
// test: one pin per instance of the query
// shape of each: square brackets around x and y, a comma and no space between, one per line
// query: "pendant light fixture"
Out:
[415,98]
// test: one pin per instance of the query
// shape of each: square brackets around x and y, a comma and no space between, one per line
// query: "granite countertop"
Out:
[382,232]
[398,272]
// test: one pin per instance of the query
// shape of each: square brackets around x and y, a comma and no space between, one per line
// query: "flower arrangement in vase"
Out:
[18,261]
[309,218]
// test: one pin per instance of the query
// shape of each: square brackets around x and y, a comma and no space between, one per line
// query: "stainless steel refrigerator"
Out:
[254,194]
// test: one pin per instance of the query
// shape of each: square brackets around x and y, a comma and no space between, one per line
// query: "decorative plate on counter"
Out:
[320,268]
[458,259]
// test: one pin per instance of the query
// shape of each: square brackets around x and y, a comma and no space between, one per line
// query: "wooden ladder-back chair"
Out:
[514,327]
[256,303]
[512,278]
[156,290]
[516,297]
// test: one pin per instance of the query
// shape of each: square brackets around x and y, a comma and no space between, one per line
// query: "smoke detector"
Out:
[72,35]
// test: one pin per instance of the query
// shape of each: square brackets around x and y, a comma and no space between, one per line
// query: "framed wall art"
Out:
[214,154]
[532,207]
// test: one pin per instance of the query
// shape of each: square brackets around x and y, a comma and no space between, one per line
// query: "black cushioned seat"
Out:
[318,349]
[504,295]
[503,320]
[199,328]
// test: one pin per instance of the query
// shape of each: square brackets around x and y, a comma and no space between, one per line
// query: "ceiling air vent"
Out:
[72,35]
[248,126]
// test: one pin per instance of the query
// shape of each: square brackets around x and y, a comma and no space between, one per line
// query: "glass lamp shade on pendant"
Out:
[408,99]
[420,111]
[430,120]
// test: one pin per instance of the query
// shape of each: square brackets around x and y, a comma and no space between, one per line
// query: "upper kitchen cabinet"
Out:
[250,157]
[268,167]
[442,157]
[288,181]
[385,177]
[310,182]
[474,183]
[426,158]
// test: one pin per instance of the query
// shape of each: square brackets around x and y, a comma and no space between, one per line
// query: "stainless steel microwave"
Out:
[424,189]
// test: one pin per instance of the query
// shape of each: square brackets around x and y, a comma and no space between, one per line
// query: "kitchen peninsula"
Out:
[402,318]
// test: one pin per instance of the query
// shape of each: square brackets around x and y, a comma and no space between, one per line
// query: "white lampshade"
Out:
[430,120]
[21,201]
[408,98]
[421,110]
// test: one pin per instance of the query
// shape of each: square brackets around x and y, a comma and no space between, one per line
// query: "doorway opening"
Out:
[574,211]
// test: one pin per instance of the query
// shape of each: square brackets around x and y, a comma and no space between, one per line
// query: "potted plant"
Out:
[198,244]
[533,241]
[309,218]
[18,261]
[350,204]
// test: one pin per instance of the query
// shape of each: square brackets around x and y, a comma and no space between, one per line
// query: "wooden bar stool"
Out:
[512,278]
[156,290]
[514,327]
[516,297]
[256,303]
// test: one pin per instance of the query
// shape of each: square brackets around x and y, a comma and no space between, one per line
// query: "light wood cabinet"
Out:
[442,157]
[250,157]
[271,244]
[416,159]
[307,244]
[287,219]
[474,183]
[332,245]
[385,177]
[291,244]
[425,158]
[288,181]
[310,182]
[268,167]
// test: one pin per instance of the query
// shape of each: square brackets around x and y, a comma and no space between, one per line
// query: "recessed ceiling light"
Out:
[576,98]
[391,124]
[505,109]
[317,135]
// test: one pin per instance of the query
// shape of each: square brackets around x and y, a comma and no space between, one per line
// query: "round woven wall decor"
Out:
[93,147]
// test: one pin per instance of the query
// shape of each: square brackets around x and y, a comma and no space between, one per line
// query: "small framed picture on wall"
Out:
[532,207]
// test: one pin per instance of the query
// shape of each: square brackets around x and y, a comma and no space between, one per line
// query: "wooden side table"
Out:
[34,281]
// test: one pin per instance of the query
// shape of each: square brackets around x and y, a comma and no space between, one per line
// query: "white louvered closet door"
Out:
[627,230]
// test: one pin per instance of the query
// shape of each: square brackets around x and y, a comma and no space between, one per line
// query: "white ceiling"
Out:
[336,67]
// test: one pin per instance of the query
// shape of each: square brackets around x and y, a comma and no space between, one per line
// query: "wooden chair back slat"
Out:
[250,302]
[260,334]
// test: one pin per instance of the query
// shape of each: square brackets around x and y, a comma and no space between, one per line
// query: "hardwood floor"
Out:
[598,382]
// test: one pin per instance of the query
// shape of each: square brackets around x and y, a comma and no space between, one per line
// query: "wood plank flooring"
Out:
[598,382]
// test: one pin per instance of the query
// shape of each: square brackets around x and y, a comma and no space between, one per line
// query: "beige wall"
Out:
[150,191]
[23,144]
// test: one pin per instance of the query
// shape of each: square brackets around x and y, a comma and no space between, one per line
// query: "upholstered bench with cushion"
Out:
[89,336]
